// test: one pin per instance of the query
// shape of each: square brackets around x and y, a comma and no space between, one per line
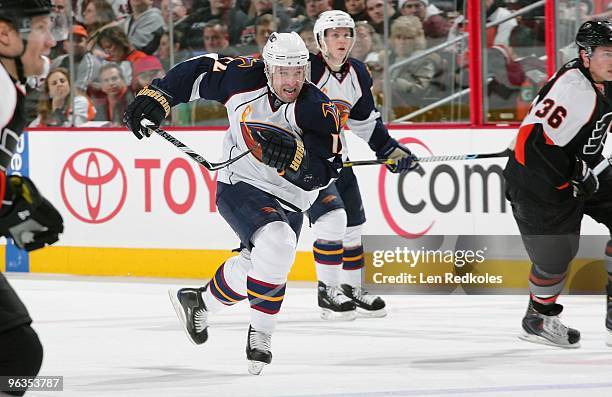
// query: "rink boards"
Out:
[143,208]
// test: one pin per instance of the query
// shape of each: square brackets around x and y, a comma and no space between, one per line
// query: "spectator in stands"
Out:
[145,70]
[376,13]
[163,53]
[435,26]
[263,7]
[411,80]
[54,106]
[316,7]
[59,26]
[266,25]
[120,8]
[231,16]
[115,43]
[86,65]
[367,41]
[306,33]
[179,12]
[356,9]
[528,51]
[144,27]
[293,8]
[117,95]
[97,14]
[216,38]
[499,34]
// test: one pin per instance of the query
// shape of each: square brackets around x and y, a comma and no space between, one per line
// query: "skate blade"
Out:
[609,338]
[178,308]
[330,315]
[255,367]
[543,341]
[371,313]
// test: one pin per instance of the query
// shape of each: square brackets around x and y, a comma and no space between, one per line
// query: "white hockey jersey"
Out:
[350,89]
[241,85]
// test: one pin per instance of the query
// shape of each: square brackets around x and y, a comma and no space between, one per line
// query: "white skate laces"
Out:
[554,326]
[260,340]
[363,296]
[336,295]
[200,319]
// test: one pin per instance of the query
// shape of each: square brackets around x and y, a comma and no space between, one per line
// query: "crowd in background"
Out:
[119,46]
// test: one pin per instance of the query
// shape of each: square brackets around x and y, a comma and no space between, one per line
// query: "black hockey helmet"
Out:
[20,12]
[593,34]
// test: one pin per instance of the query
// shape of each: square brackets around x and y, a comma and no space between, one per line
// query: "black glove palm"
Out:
[31,221]
[152,104]
[279,151]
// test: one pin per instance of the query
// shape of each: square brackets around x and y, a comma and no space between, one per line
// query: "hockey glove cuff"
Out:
[402,157]
[30,220]
[584,182]
[152,104]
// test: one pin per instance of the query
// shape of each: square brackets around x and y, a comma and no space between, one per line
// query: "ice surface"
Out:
[120,337]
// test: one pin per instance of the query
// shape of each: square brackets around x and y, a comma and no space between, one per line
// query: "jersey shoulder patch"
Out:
[315,111]
[566,107]
[242,73]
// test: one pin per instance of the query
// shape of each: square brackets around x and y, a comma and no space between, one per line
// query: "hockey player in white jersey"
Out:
[338,214]
[293,131]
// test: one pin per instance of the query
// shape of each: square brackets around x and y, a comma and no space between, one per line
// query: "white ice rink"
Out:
[120,337]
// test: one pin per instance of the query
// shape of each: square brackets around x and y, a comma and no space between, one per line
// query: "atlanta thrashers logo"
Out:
[598,136]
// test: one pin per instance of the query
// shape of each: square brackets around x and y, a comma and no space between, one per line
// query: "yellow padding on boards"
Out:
[173,263]
[3,256]
[142,262]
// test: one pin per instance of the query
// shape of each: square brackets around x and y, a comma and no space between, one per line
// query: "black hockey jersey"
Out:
[12,121]
[569,118]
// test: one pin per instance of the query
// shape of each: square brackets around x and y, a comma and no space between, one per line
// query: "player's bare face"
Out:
[600,64]
[339,42]
[40,42]
[12,44]
[287,81]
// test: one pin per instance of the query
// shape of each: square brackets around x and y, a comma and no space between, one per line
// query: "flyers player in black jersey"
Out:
[551,184]
[26,216]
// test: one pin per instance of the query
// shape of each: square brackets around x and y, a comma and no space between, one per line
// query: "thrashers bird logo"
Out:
[344,109]
[248,128]
[329,108]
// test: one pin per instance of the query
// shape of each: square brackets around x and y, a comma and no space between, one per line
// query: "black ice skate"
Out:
[609,321]
[546,328]
[191,311]
[258,350]
[334,305]
[367,305]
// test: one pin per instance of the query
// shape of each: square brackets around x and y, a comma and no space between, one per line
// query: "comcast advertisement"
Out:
[116,192]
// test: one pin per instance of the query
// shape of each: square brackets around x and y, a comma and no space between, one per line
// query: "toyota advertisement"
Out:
[117,192]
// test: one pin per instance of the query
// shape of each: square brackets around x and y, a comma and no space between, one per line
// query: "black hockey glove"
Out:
[29,219]
[584,182]
[152,104]
[403,158]
[279,151]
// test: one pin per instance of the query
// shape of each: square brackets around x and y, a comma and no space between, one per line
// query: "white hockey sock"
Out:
[272,255]
[228,286]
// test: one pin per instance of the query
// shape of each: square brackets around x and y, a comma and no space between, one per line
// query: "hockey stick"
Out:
[431,159]
[190,152]
[603,164]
